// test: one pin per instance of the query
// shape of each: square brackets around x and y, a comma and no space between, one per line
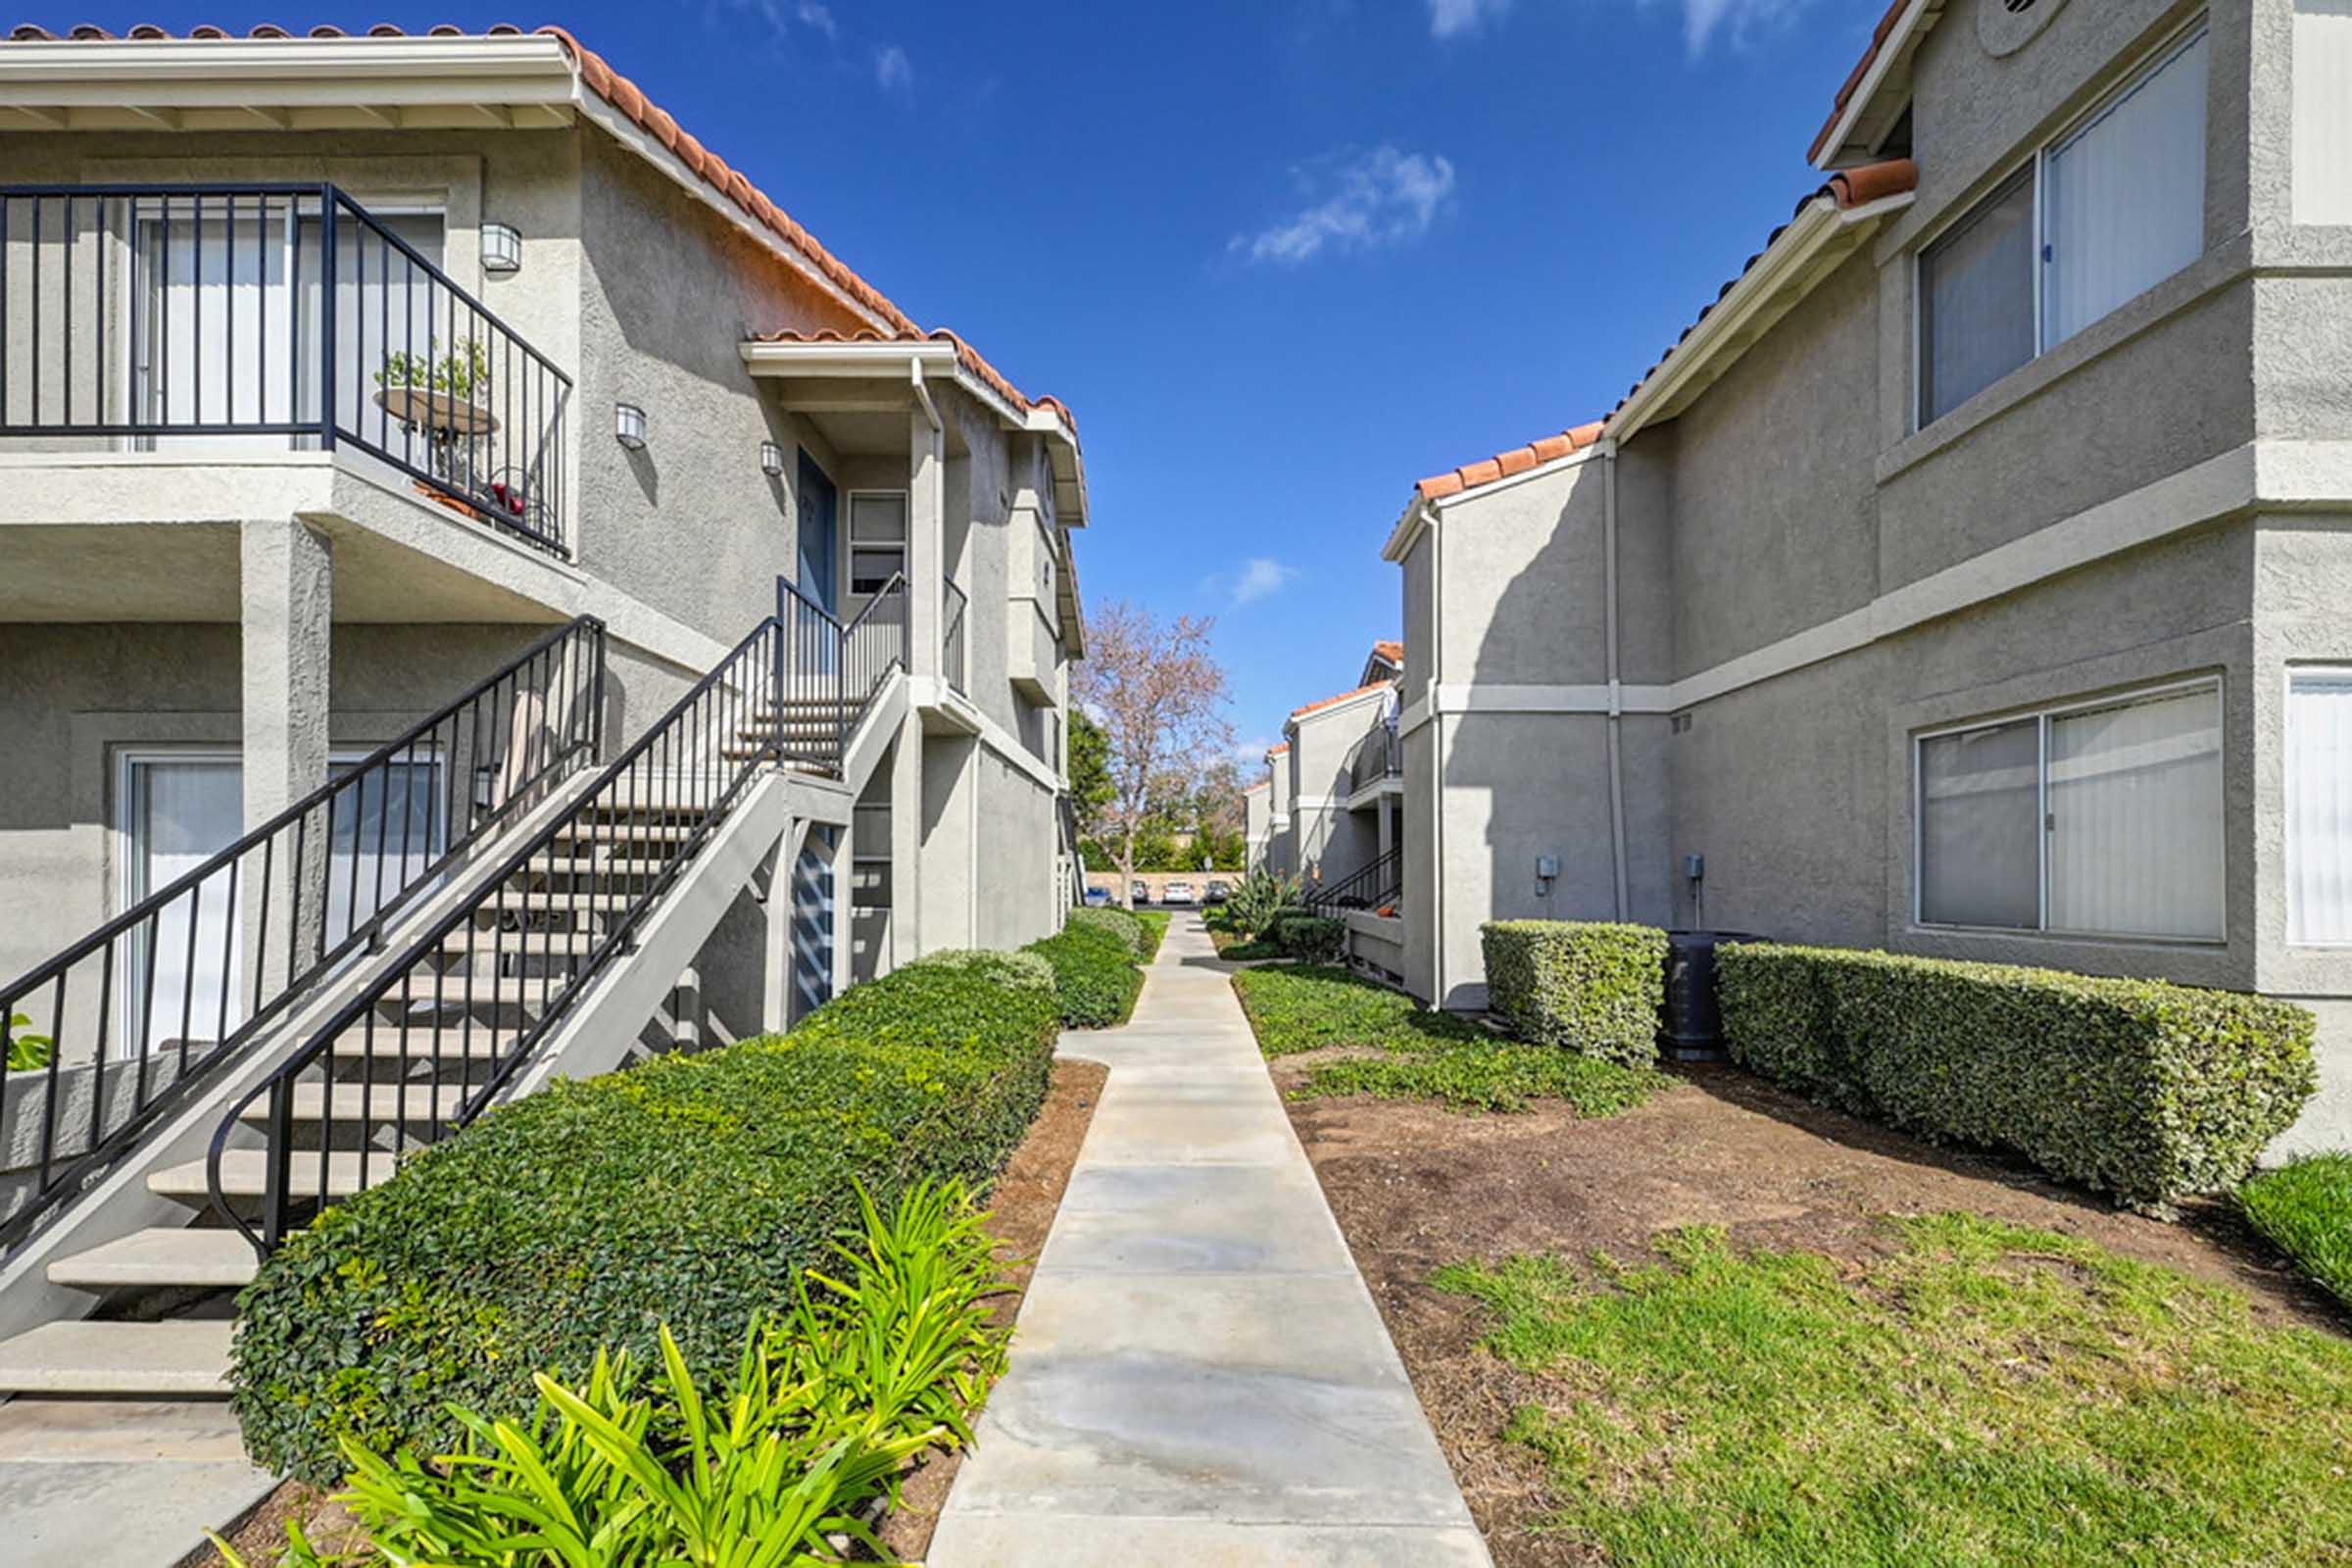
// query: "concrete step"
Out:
[187,1358]
[414,1104]
[451,1045]
[605,830]
[154,1259]
[244,1170]
[485,943]
[594,866]
[451,994]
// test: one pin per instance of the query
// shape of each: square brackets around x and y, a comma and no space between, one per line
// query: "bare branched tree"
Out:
[1158,695]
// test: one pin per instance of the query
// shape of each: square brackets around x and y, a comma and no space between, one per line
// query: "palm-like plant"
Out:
[777,1468]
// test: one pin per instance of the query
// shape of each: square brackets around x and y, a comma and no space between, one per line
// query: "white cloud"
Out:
[1251,753]
[892,70]
[1450,17]
[820,17]
[1702,20]
[1259,577]
[1382,197]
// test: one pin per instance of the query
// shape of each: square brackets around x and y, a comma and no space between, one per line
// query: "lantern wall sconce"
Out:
[502,248]
[771,460]
[628,425]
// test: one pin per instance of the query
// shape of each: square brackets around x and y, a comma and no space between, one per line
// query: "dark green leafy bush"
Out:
[1589,988]
[692,1190]
[1094,975]
[1306,937]
[1128,928]
[2147,1090]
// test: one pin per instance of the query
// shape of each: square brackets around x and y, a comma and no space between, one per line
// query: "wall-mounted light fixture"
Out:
[628,425]
[771,460]
[502,248]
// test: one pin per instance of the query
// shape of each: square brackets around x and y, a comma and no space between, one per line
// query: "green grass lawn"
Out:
[1987,1396]
[1424,1054]
[2306,1209]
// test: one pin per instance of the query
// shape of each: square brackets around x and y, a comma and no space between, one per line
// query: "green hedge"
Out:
[1094,975]
[692,1190]
[1595,989]
[1308,937]
[1128,928]
[2147,1090]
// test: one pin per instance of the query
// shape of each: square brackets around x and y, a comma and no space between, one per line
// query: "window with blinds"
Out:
[2097,819]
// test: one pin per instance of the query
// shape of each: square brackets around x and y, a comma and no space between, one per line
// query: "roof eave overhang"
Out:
[1815,244]
[519,81]
[1421,512]
[932,359]
[1344,705]
[1854,134]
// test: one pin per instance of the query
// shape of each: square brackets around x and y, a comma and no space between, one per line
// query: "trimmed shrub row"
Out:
[692,1190]
[1589,988]
[1127,927]
[1094,975]
[2146,1091]
[1308,937]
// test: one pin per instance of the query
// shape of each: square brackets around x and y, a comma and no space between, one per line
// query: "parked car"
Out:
[1218,892]
[1098,898]
[1177,893]
[1140,891]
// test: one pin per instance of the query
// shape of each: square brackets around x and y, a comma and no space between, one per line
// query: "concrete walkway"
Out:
[1200,1376]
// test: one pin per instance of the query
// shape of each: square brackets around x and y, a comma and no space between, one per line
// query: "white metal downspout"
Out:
[1617,845]
[1437,755]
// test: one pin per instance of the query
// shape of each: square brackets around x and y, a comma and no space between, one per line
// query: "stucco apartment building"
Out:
[1971,578]
[346,378]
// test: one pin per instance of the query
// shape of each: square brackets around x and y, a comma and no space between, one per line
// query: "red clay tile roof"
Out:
[1277,751]
[1853,79]
[964,353]
[625,95]
[1849,188]
[1331,701]
[1504,464]
[1392,652]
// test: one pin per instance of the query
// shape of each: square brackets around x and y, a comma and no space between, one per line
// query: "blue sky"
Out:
[1283,257]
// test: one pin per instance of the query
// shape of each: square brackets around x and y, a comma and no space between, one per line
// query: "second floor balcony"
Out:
[1377,760]
[210,318]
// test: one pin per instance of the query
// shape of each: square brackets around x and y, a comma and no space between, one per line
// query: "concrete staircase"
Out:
[391,1082]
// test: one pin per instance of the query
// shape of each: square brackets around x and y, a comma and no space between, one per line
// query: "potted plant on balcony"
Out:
[436,393]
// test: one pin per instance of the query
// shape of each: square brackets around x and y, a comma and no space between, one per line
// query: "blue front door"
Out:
[821,525]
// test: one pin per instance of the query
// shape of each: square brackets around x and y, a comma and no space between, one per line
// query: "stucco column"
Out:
[1388,824]
[906,842]
[926,560]
[287,624]
[778,888]
[844,919]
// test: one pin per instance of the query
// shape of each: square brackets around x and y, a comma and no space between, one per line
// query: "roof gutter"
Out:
[1820,235]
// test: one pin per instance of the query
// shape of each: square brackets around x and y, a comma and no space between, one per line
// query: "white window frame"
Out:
[2043,717]
[2039,160]
[849,534]
[2287,860]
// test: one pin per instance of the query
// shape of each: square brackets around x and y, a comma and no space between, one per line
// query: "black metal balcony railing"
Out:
[826,671]
[1378,755]
[112,1032]
[218,314]
[1375,887]
[953,604]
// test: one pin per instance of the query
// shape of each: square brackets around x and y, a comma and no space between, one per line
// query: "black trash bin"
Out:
[1693,1022]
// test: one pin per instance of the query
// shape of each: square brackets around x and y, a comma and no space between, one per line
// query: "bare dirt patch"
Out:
[1415,1187]
[1022,1210]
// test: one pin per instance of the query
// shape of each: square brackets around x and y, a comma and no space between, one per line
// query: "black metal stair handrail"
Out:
[1376,885]
[176,311]
[686,771]
[270,916]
